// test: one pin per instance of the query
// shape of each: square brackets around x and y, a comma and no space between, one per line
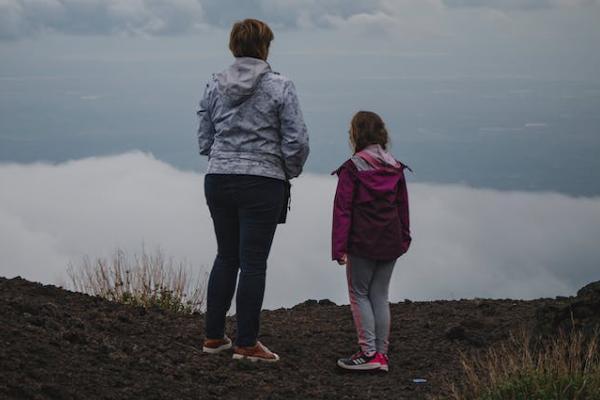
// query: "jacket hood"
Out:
[381,182]
[239,81]
[376,157]
[377,170]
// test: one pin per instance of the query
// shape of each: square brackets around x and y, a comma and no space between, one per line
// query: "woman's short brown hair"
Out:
[250,38]
[367,128]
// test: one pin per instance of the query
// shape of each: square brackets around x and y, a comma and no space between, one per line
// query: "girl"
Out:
[370,231]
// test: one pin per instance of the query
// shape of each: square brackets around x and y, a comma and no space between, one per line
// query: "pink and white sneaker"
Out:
[384,362]
[360,362]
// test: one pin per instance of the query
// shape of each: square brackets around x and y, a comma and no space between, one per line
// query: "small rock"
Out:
[117,356]
[590,290]
[74,337]
[307,303]
[124,318]
[456,332]
[77,323]
[49,309]
[581,313]
[475,324]
[326,302]
[53,391]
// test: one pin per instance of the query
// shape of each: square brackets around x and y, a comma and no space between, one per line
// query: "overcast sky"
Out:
[520,34]
[161,17]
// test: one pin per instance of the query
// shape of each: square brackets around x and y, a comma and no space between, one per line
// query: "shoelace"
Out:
[360,354]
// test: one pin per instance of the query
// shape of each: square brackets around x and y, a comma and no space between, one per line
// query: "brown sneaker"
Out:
[213,346]
[258,352]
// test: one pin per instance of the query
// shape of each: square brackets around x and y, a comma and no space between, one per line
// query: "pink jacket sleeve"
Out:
[342,213]
[404,214]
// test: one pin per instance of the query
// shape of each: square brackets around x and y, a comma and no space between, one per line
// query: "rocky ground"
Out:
[56,344]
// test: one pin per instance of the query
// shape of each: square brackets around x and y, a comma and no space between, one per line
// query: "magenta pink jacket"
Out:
[370,211]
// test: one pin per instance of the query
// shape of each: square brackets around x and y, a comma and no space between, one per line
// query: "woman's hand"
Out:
[343,260]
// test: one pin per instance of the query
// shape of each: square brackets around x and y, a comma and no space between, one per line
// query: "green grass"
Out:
[564,368]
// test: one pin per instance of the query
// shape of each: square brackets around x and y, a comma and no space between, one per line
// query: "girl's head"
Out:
[250,38]
[367,128]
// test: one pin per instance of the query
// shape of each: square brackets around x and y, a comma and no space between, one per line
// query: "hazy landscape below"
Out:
[468,242]
[503,133]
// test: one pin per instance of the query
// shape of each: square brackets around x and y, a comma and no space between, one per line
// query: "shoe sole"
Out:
[363,367]
[255,359]
[384,368]
[213,350]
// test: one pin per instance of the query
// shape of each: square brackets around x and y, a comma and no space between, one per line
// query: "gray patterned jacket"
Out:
[251,122]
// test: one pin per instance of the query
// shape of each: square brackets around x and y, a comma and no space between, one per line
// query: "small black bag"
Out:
[287,201]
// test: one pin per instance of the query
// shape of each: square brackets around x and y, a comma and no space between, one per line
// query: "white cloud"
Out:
[284,13]
[518,4]
[90,97]
[467,242]
[375,23]
[401,18]
[536,125]
[19,18]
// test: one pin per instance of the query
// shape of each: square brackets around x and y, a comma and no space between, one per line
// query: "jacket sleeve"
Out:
[342,213]
[294,137]
[403,212]
[206,129]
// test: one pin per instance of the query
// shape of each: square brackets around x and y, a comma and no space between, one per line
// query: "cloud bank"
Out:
[23,18]
[467,242]
[518,4]
[19,18]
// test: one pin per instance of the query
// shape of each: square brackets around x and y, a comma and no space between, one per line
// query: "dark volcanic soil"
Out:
[56,344]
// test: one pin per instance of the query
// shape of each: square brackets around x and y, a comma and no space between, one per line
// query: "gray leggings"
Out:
[368,285]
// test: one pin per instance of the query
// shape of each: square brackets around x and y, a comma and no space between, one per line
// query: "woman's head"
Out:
[367,128]
[250,38]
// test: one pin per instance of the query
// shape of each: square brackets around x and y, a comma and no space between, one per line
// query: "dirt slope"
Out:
[56,344]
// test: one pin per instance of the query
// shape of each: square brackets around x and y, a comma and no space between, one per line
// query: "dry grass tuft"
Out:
[147,280]
[566,367]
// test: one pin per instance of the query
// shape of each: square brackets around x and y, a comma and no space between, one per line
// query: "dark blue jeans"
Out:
[245,210]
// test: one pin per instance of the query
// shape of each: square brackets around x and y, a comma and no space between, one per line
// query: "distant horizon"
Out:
[412,177]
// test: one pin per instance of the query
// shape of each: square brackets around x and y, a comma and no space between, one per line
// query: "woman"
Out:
[252,130]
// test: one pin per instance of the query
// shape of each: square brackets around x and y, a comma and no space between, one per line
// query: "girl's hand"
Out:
[343,260]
